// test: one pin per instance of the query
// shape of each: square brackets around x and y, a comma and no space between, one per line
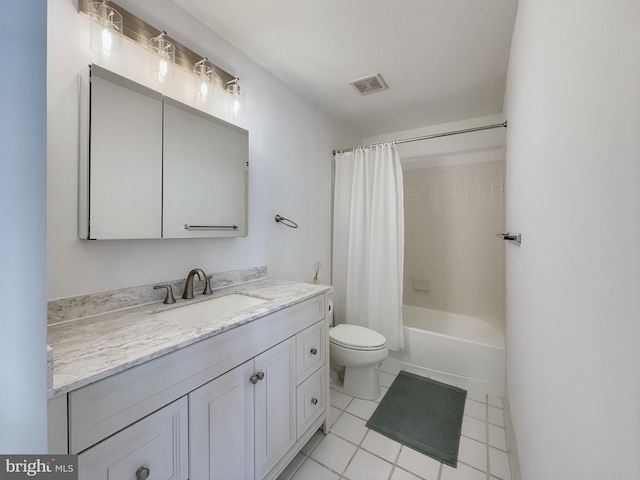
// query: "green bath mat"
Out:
[423,414]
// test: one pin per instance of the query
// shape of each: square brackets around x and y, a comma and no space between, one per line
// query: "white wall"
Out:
[23,135]
[573,302]
[290,166]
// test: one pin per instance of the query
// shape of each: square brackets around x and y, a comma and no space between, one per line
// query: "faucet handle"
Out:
[207,285]
[169,298]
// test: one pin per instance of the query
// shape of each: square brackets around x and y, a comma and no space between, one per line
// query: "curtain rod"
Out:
[427,137]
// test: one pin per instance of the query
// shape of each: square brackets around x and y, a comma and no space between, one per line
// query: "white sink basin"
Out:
[210,310]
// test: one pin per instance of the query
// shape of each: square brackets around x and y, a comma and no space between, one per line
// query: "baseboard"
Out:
[512,446]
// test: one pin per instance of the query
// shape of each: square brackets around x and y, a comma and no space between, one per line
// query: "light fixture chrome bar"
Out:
[428,137]
[140,32]
[210,227]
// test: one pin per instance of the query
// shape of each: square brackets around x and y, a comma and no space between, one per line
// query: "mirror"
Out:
[152,167]
[205,182]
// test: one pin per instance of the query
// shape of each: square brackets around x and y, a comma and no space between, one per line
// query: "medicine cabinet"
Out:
[152,167]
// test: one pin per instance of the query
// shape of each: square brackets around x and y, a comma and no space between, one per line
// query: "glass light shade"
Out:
[204,83]
[162,59]
[106,30]
[235,99]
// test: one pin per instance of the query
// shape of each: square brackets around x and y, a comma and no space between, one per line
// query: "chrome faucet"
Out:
[188,286]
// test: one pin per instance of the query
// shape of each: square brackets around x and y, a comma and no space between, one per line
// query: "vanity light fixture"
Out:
[205,82]
[235,98]
[162,59]
[106,30]
[134,28]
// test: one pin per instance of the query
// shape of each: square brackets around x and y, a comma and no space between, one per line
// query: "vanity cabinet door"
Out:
[275,413]
[121,163]
[205,181]
[221,427]
[157,443]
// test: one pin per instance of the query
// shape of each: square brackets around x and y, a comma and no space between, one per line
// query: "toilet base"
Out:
[362,382]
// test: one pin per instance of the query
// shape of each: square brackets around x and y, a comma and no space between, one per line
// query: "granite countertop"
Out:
[92,348]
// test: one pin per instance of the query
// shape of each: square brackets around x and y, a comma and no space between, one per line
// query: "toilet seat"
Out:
[356,337]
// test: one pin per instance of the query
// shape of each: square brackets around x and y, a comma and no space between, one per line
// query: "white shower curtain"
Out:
[368,240]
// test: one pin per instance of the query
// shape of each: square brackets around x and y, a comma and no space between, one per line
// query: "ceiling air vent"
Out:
[371,84]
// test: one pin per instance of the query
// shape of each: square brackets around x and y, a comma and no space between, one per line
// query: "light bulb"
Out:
[204,91]
[106,42]
[236,106]
[161,59]
[163,69]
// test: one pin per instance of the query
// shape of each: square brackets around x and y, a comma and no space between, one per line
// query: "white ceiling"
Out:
[444,60]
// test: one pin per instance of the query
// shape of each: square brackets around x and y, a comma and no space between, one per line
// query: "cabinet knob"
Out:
[143,473]
[256,377]
[314,401]
[314,351]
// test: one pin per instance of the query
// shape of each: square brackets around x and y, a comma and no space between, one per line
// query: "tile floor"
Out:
[353,452]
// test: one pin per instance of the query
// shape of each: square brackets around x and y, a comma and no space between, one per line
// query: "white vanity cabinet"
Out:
[238,405]
[245,420]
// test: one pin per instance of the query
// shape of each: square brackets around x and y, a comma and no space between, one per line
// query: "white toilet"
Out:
[359,351]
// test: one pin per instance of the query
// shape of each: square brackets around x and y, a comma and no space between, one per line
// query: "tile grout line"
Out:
[344,412]
[487,439]
[308,456]
[394,465]
[358,447]
[325,467]
[395,462]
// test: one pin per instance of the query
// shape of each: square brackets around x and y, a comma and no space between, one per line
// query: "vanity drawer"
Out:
[310,350]
[158,442]
[311,400]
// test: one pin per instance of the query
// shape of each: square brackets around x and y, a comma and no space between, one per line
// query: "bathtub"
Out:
[455,349]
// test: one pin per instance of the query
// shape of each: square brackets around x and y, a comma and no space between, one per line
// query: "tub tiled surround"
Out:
[453,259]
[351,451]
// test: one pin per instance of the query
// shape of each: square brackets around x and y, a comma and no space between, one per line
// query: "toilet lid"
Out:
[354,336]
